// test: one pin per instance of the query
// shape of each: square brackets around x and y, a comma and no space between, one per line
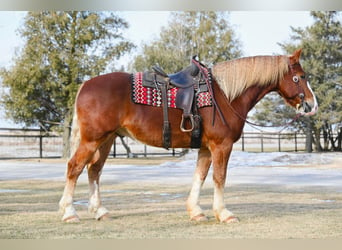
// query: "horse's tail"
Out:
[75,134]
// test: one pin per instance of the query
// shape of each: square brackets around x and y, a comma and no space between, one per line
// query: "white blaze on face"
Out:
[313,103]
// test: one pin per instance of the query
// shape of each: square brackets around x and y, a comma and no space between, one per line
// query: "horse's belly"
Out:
[146,126]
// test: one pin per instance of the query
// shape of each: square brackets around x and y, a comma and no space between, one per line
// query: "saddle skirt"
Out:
[146,91]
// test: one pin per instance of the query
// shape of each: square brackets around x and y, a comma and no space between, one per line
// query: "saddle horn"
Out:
[194,68]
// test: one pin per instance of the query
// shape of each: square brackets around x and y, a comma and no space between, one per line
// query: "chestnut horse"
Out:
[104,110]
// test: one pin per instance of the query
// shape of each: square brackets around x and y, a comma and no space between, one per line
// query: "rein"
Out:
[254,125]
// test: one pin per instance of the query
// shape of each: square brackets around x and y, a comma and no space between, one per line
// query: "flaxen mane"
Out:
[237,75]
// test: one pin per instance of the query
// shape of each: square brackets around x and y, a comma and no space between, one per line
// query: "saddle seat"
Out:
[181,79]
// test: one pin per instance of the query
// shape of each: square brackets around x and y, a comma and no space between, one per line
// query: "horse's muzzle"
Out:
[307,108]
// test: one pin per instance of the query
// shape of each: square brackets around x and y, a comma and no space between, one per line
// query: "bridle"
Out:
[296,80]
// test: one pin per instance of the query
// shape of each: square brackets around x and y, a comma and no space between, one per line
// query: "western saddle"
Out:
[190,82]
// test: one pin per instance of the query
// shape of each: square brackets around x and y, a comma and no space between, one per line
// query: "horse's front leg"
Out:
[220,155]
[203,164]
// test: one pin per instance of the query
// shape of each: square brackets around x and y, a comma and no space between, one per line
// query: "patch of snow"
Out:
[244,168]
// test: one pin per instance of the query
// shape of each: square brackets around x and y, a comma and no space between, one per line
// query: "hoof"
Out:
[231,219]
[199,218]
[71,219]
[70,215]
[102,214]
[105,217]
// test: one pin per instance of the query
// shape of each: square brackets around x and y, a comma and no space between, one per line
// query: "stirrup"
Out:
[182,128]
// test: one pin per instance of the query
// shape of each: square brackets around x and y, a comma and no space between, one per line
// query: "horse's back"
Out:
[104,88]
[105,84]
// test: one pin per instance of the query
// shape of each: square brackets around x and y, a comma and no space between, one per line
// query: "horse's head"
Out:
[295,88]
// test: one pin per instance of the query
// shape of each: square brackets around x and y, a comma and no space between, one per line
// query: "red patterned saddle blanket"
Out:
[152,95]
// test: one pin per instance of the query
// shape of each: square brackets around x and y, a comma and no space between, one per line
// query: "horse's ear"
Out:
[294,58]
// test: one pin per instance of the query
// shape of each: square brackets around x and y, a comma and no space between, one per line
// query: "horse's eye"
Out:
[295,79]
[302,76]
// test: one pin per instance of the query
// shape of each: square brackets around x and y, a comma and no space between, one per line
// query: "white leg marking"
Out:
[66,206]
[221,213]
[192,202]
[95,202]
[94,199]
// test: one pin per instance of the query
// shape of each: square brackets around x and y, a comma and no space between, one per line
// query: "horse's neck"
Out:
[240,106]
[255,93]
[249,98]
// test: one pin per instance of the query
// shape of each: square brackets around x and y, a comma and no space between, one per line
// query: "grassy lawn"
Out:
[29,210]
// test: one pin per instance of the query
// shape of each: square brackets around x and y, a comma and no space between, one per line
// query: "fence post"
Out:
[114,148]
[279,149]
[40,144]
[296,148]
[243,142]
[262,142]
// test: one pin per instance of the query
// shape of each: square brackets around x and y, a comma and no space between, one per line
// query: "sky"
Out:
[258,31]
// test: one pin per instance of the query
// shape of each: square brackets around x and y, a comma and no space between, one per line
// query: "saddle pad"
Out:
[153,97]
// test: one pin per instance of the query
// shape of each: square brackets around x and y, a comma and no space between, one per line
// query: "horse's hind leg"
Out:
[76,164]
[203,165]
[94,173]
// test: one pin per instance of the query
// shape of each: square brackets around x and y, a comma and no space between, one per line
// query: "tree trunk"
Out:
[66,134]
[308,141]
[339,139]
[326,136]
[309,138]
[318,145]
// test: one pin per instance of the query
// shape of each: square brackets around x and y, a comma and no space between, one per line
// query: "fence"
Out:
[29,143]
[34,143]
[267,141]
